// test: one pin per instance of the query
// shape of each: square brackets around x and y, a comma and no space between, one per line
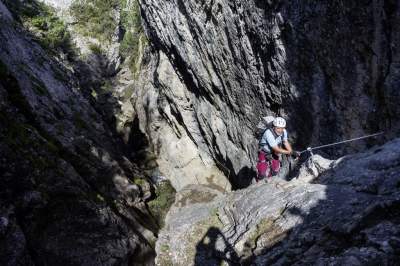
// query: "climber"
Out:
[273,143]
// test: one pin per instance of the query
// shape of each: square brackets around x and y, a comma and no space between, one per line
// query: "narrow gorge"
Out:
[127,132]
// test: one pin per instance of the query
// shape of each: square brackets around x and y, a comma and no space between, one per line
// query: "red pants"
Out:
[266,167]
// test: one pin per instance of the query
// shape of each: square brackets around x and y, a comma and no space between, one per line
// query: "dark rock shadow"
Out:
[244,177]
[240,180]
[70,200]
[289,168]
[213,249]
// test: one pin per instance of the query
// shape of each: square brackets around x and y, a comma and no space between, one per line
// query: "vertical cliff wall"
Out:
[344,57]
[216,67]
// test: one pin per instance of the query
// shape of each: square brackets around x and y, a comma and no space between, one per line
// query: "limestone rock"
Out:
[216,67]
[312,168]
[66,192]
[333,220]
[173,131]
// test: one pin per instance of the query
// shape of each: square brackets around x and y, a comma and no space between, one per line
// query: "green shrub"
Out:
[132,27]
[129,44]
[95,18]
[51,32]
[40,23]
[57,35]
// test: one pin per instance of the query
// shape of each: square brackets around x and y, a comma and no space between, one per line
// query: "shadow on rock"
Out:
[245,177]
[213,249]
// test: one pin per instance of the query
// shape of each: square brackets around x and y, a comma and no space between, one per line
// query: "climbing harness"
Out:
[310,150]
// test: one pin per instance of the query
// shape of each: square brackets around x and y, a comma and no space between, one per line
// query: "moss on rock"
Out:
[164,258]
[165,197]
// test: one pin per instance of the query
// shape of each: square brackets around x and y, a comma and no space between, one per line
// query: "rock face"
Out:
[180,157]
[220,87]
[66,193]
[348,215]
[217,66]
[344,56]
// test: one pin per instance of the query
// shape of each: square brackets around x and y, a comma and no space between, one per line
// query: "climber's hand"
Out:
[296,154]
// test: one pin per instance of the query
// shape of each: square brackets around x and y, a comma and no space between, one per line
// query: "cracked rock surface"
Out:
[216,66]
[348,215]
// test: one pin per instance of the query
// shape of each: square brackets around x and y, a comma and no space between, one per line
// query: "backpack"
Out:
[263,125]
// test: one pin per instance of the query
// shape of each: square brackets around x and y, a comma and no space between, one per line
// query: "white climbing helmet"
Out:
[279,122]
